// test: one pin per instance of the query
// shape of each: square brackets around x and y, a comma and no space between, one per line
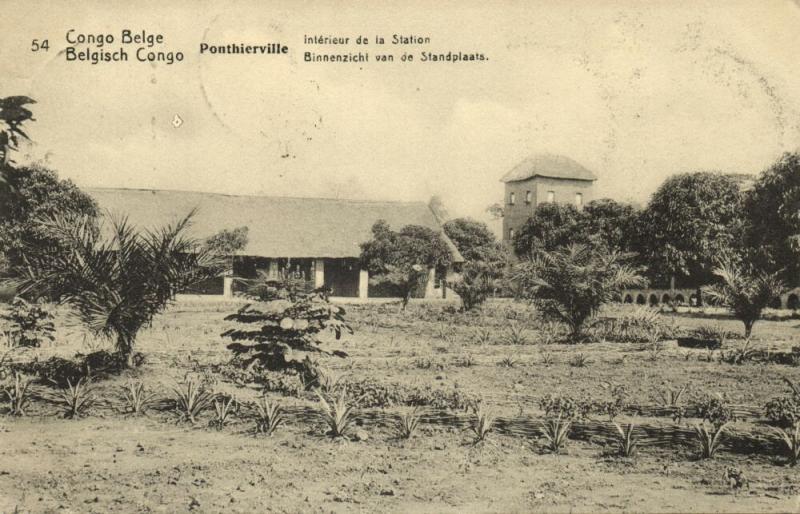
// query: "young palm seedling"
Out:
[137,398]
[792,442]
[191,398]
[224,408]
[18,395]
[482,425]
[710,437]
[626,442]
[77,399]
[329,383]
[670,397]
[555,432]
[579,361]
[337,414]
[507,362]
[516,335]
[483,335]
[407,423]
[269,416]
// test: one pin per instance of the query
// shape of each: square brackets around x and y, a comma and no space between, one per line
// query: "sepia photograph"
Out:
[401,256]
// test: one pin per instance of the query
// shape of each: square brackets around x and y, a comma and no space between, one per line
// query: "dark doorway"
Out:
[341,277]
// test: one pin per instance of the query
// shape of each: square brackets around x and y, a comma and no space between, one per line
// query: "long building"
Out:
[316,238]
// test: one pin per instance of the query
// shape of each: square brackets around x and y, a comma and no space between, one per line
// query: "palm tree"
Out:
[115,285]
[571,283]
[12,115]
[744,290]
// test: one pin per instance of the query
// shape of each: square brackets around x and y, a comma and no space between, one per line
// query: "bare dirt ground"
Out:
[113,462]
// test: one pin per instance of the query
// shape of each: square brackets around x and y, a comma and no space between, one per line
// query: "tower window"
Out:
[551,196]
[511,199]
[528,197]
[579,200]
[511,233]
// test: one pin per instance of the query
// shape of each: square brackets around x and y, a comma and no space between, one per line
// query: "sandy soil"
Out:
[111,462]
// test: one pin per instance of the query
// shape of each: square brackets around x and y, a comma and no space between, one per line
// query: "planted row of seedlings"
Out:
[190,399]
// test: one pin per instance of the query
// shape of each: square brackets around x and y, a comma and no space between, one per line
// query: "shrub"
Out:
[29,324]
[269,416]
[288,332]
[618,402]
[570,284]
[368,393]
[716,416]
[638,325]
[564,407]
[784,411]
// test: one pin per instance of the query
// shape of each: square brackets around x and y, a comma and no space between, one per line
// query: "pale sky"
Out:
[635,91]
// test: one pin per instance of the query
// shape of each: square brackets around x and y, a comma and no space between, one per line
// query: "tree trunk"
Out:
[125,349]
[748,328]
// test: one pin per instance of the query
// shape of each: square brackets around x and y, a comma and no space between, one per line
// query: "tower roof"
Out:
[548,165]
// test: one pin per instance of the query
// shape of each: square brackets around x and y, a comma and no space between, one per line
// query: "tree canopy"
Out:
[37,193]
[551,226]
[691,220]
[772,213]
[228,241]
[603,222]
[401,258]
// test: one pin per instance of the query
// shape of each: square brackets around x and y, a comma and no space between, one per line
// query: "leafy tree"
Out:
[472,238]
[37,193]
[13,114]
[744,289]
[496,211]
[400,259]
[290,325]
[228,241]
[772,212]
[486,260]
[551,226]
[569,284]
[691,220]
[610,223]
[114,285]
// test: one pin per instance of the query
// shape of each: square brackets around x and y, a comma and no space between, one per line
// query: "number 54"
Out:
[36,46]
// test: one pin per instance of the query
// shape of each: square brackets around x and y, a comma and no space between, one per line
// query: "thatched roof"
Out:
[277,227]
[548,165]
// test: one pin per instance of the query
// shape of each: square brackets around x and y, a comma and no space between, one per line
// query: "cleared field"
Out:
[429,354]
